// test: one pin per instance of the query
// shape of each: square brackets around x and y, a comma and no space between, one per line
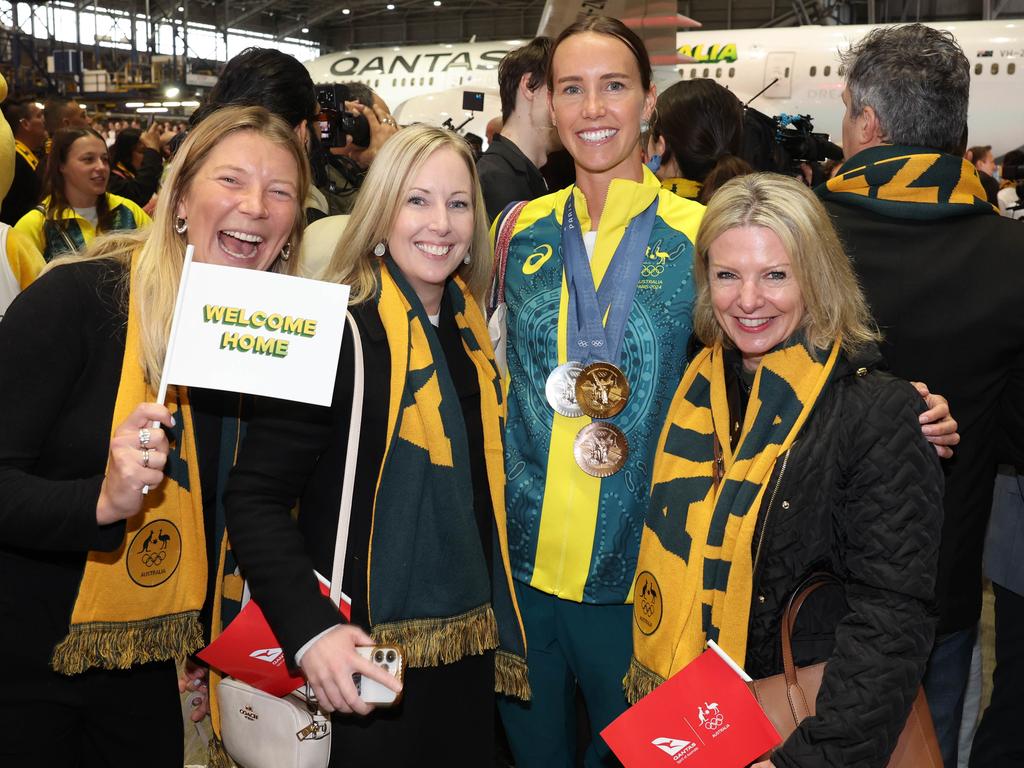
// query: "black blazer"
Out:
[948,295]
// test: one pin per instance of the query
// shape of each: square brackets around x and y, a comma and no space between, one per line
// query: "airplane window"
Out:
[460,81]
[394,82]
[828,70]
[814,71]
[431,79]
[842,70]
[977,69]
[718,72]
[995,69]
[706,70]
[786,73]
[732,71]
[693,72]
[1011,68]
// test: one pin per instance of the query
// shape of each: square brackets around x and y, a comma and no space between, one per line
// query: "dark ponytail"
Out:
[726,167]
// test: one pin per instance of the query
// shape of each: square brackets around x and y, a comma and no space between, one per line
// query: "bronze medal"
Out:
[600,449]
[560,389]
[601,390]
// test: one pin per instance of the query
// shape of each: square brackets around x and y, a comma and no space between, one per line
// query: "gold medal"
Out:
[601,390]
[560,389]
[600,449]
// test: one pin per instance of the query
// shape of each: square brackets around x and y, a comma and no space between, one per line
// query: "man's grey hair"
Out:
[917,80]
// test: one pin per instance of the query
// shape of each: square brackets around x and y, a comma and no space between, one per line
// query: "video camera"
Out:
[334,123]
[783,142]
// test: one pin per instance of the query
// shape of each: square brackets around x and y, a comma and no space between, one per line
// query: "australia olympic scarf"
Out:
[141,602]
[908,183]
[695,570]
[429,589]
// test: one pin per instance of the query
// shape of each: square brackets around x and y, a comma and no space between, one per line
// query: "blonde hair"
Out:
[382,196]
[161,250]
[833,301]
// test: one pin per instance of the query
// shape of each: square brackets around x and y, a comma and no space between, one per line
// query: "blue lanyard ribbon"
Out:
[589,338]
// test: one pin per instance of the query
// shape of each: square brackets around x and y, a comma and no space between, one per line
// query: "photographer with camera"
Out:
[353,124]
[1011,196]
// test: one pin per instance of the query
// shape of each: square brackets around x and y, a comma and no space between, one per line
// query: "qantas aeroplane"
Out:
[427,83]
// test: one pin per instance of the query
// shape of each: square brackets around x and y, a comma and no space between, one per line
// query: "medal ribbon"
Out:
[589,339]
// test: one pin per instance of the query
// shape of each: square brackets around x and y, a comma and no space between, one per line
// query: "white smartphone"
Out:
[387,657]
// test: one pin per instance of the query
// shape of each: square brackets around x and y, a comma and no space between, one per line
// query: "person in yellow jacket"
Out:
[23,262]
[77,206]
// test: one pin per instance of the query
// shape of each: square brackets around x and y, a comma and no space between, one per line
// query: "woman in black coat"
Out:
[787,452]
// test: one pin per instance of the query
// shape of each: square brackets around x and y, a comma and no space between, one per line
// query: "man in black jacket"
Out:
[26,120]
[944,275]
[509,169]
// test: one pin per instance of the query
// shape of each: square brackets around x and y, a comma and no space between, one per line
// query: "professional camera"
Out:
[335,123]
[783,142]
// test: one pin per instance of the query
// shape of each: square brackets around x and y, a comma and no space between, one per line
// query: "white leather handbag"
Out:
[260,730]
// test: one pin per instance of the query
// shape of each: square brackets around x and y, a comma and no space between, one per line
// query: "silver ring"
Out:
[144,436]
[145,457]
[388,121]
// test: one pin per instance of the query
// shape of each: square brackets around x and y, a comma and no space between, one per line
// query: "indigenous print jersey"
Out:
[570,534]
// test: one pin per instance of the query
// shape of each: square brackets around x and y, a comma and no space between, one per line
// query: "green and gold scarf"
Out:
[683,187]
[141,602]
[695,569]
[908,183]
[429,589]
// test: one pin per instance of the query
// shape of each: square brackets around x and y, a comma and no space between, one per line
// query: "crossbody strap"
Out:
[351,456]
[507,223]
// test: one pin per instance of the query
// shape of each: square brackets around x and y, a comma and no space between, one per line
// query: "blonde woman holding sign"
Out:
[105,584]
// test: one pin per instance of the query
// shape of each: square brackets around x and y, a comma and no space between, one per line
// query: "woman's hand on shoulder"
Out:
[330,663]
[138,453]
[937,424]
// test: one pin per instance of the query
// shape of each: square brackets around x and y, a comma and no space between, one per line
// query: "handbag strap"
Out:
[507,224]
[348,481]
[810,585]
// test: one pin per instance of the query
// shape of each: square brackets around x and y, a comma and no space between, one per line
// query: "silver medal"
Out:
[560,389]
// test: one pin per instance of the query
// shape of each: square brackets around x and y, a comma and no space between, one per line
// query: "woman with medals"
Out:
[598,292]
[104,580]
[788,453]
[426,561]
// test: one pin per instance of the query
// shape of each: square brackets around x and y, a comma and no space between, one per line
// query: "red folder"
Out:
[704,716]
[248,650]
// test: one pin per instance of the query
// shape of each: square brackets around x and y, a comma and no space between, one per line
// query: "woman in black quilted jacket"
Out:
[787,453]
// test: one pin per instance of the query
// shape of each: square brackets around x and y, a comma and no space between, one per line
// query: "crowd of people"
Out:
[610,372]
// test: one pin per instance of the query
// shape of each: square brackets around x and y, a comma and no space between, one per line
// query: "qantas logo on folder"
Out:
[671,746]
[269,655]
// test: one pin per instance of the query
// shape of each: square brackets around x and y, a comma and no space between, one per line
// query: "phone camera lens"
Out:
[378,656]
[391,657]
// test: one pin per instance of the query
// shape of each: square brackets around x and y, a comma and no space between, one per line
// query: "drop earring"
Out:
[380,249]
[286,252]
[180,225]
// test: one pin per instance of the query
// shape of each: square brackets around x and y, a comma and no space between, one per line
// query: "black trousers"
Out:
[998,743]
[445,718]
[98,719]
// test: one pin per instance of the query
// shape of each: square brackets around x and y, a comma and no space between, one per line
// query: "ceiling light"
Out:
[346,11]
[437,3]
[181,9]
[171,91]
[391,6]
[133,104]
[305,30]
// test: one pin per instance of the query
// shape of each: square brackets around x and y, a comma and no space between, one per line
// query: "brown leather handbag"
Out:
[790,697]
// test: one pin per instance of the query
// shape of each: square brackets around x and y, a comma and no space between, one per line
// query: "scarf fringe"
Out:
[216,755]
[433,642]
[511,675]
[120,645]
[639,681]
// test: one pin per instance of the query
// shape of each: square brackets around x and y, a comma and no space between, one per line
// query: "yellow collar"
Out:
[28,154]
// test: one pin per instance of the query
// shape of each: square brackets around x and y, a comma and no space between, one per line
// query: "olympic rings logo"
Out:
[652,270]
[714,722]
[151,560]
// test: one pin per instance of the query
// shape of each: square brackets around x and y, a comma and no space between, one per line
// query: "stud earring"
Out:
[468,258]
[286,252]
[380,249]
[645,125]
[180,225]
